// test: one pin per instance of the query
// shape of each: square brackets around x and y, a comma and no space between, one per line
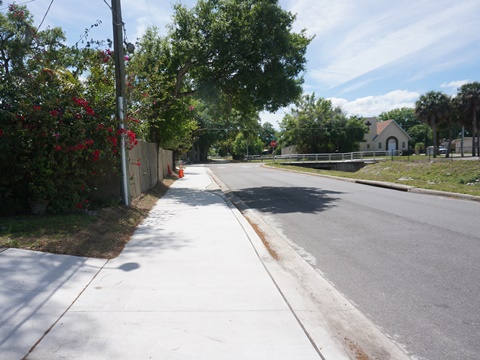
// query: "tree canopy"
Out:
[405,117]
[469,101]
[433,108]
[316,126]
[234,56]
[244,49]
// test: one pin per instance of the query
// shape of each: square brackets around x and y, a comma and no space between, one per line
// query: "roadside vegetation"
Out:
[457,176]
[102,234]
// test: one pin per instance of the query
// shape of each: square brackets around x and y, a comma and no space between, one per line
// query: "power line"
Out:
[125,38]
[148,7]
[44,16]
[105,1]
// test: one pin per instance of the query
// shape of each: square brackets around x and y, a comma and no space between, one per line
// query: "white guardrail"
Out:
[328,157]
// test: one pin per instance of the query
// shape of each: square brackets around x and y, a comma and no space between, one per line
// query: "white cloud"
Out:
[452,86]
[320,16]
[375,105]
[395,34]
[364,106]
[273,118]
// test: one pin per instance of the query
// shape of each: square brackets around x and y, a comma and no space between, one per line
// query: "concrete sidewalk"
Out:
[189,285]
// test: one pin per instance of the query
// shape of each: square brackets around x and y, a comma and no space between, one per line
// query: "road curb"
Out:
[389,185]
[333,325]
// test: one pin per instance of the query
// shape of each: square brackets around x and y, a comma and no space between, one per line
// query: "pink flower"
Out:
[54,113]
[96,155]
[89,110]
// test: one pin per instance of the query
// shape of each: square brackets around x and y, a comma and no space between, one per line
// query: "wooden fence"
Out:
[147,165]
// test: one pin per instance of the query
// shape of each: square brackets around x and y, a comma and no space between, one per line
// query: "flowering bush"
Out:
[57,133]
[64,145]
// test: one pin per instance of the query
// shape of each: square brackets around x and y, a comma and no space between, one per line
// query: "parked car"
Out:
[442,150]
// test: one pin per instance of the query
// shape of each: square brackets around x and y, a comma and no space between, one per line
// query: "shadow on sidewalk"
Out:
[36,288]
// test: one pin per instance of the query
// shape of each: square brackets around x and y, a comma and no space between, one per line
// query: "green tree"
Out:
[433,108]
[244,49]
[469,99]
[167,118]
[246,144]
[316,126]
[421,133]
[218,129]
[267,133]
[233,56]
[405,117]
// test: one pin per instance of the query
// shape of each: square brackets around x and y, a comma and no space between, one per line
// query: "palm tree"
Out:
[433,108]
[469,97]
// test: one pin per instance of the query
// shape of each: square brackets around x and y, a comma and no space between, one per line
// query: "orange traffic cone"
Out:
[180,171]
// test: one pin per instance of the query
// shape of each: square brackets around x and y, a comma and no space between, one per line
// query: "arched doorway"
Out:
[392,145]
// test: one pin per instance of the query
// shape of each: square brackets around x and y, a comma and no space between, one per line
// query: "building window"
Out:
[368,146]
[379,145]
[403,144]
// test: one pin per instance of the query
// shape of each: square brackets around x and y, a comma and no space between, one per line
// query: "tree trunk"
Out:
[474,133]
[450,135]
[463,140]
[434,129]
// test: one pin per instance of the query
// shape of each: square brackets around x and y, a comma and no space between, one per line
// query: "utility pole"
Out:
[120,91]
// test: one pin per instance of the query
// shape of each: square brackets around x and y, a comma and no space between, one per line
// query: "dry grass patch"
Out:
[102,236]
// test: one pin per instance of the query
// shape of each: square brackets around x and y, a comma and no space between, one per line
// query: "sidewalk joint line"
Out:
[63,314]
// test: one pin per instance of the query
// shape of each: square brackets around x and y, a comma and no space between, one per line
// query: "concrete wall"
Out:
[467,145]
[367,143]
[288,150]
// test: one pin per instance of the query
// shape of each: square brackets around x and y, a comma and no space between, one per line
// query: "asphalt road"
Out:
[409,262]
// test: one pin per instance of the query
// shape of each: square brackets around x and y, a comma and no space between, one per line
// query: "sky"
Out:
[367,56]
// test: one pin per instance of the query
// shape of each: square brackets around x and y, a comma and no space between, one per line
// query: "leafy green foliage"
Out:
[315,126]
[405,117]
[469,103]
[433,108]
[244,49]
[267,134]
[246,145]
[56,131]
[421,133]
